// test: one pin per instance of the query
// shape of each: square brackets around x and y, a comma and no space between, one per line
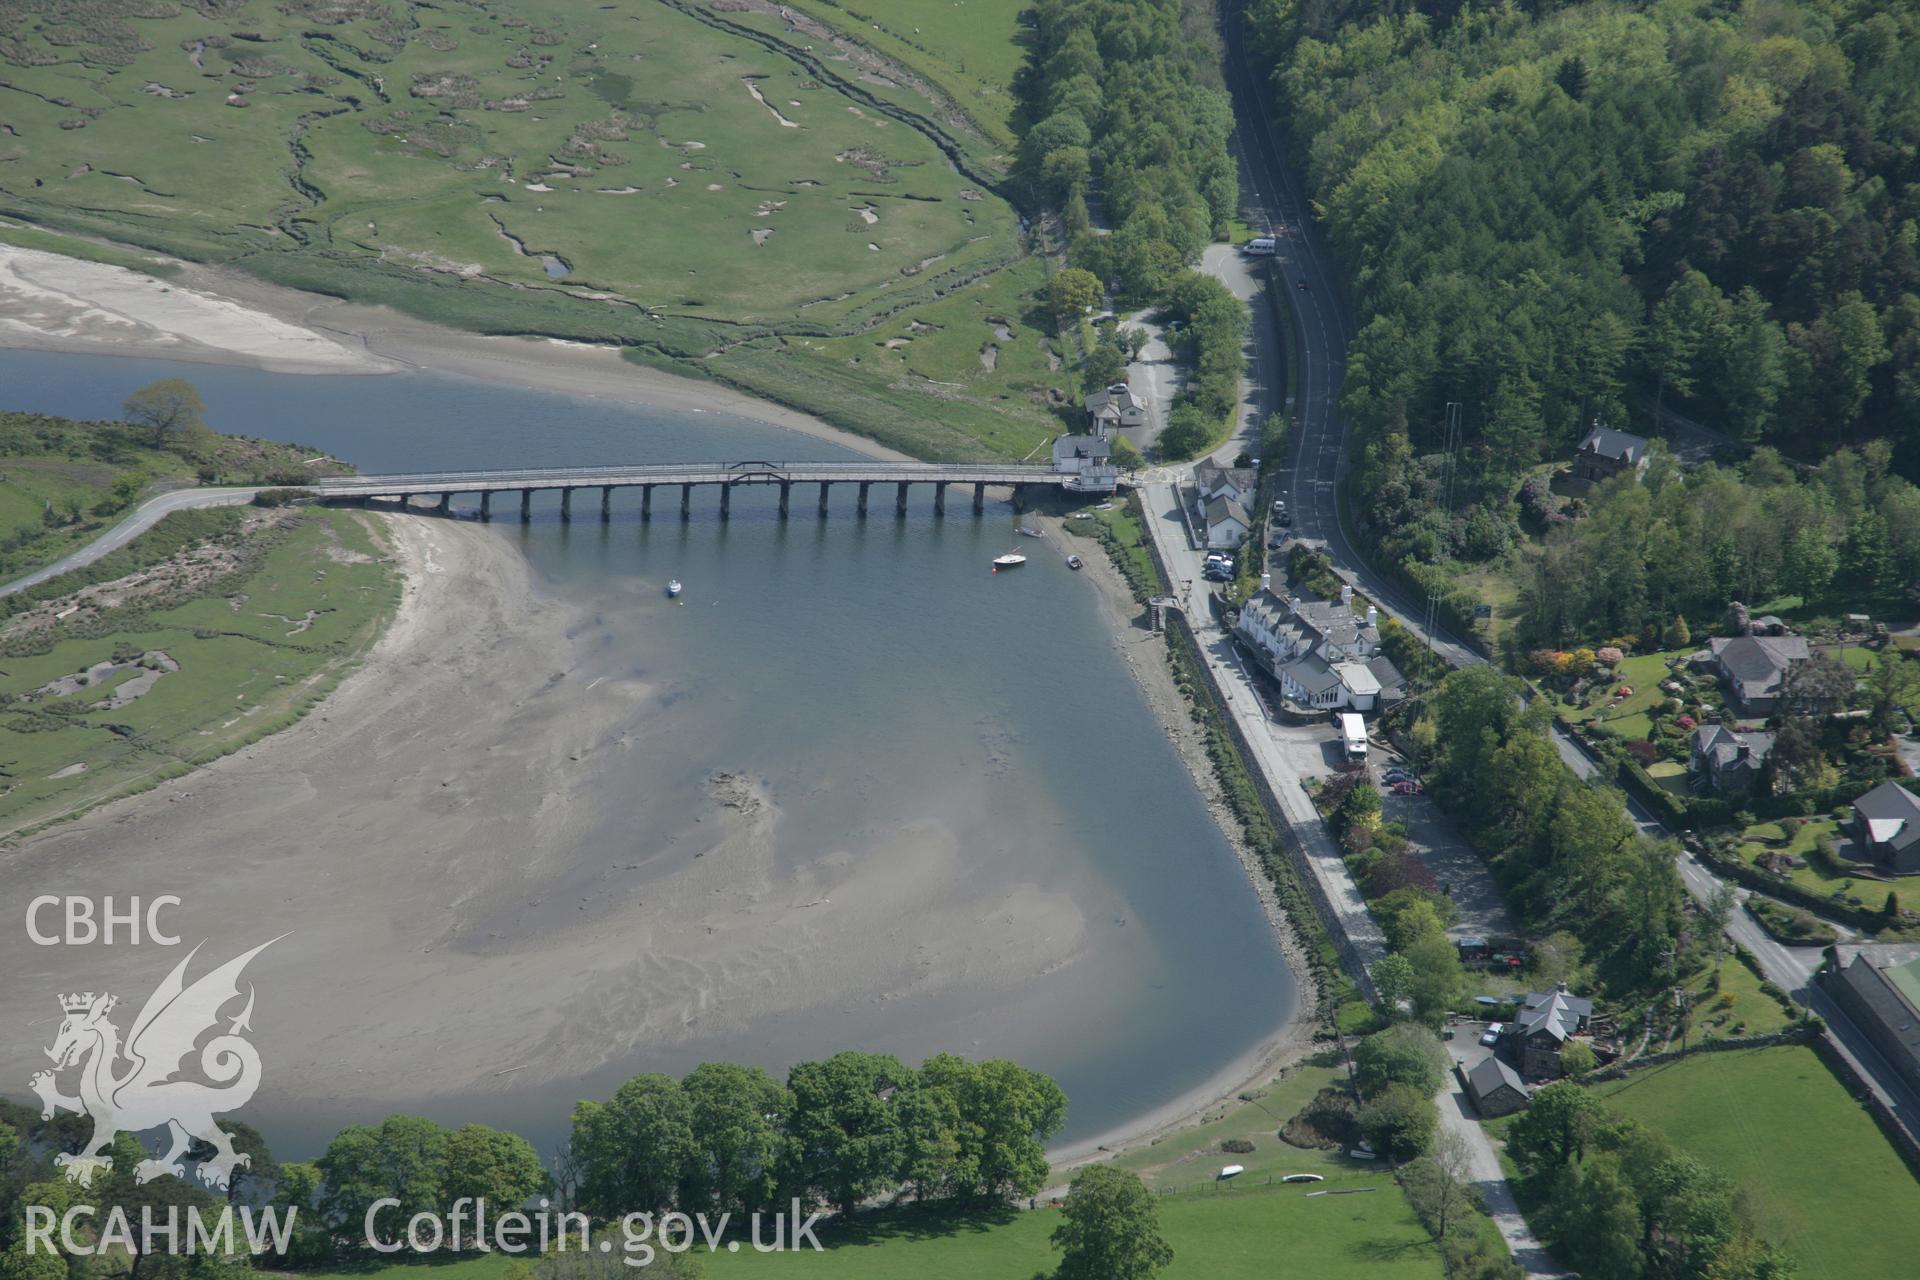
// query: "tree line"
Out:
[1620,1203]
[1683,544]
[725,1138]
[1122,103]
[1556,214]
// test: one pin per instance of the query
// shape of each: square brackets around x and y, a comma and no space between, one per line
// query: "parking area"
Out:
[1454,864]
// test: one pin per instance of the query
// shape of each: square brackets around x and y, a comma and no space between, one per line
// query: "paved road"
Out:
[143,518]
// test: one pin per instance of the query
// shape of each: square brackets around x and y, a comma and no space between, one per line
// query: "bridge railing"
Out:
[718,471]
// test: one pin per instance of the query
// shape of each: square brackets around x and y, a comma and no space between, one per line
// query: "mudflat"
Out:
[421,838]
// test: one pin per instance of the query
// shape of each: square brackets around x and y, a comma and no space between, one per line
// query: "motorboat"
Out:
[1031,533]
[1011,560]
[673,587]
[1075,562]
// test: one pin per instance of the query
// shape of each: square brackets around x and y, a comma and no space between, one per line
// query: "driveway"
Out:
[1458,1117]
[1154,377]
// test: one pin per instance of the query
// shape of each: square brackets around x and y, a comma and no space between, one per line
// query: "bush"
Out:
[1236,1146]
[281,497]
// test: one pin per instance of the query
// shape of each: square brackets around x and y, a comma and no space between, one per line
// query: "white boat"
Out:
[1011,560]
[1231,1171]
[673,587]
[1031,533]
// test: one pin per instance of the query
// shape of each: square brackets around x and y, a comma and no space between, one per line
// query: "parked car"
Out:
[1305,285]
[1399,773]
[1284,519]
[1492,1034]
[1279,505]
[1406,788]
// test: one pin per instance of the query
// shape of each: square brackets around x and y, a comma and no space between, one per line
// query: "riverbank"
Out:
[214,315]
[1146,656]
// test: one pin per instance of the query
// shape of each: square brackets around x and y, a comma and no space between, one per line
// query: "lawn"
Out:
[1190,1158]
[1216,1235]
[1627,718]
[228,661]
[1230,1234]
[1818,875]
[1824,1182]
[1749,1012]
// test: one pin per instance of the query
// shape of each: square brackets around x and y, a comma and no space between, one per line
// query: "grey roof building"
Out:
[1755,666]
[1604,453]
[1880,992]
[1496,1088]
[1886,828]
[1728,761]
[1547,1019]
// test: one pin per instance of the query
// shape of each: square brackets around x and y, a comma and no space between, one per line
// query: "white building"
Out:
[1089,460]
[1227,524]
[1324,655]
[1241,484]
[1113,407]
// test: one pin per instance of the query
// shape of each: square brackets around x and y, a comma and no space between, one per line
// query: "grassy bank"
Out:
[232,625]
[62,482]
[1825,1184]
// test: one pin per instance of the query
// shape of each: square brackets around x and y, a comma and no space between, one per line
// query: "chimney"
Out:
[1346,593]
[1266,582]
[1373,616]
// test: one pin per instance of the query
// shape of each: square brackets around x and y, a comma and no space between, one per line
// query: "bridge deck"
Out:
[436,482]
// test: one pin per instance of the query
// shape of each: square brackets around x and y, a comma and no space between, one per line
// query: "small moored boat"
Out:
[1031,533]
[673,587]
[1075,562]
[1011,560]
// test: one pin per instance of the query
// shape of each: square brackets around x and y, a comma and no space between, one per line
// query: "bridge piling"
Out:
[686,502]
[566,506]
[646,503]
[979,498]
[824,486]
[726,502]
[526,505]
[486,505]
[445,505]
[860,507]
[900,500]
[406,499]
[1019,497]
[786,489]
[606,503]
[939,497]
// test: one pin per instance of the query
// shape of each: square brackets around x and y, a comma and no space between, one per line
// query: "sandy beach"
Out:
[215,315]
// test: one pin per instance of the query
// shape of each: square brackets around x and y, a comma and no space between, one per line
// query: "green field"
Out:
[1225,1235]
[1824,1183]
[228,654]
[1818,875]
[62,482]
[704,184]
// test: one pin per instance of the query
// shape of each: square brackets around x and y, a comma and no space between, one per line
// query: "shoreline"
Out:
[1293,1039]
[389,342]
[220,316]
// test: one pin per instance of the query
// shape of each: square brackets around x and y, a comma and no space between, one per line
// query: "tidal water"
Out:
[873,674]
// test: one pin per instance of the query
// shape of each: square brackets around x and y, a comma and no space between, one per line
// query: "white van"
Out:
[1260,247]
[1353,735]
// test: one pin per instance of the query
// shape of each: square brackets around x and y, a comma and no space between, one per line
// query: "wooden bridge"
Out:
[726,477]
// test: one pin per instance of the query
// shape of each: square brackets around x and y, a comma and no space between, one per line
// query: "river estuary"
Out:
[876,680]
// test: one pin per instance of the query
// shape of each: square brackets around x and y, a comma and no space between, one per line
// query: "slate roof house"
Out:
[1113,407]
[1546,1021]
[1754,666]
[1324,655]
[1884,1002]
[1227,524]
[1496,1088]
[1886,828]
[1728,762]
[1605,453]
[1215,481]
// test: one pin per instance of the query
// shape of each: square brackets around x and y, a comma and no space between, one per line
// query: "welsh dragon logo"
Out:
[133,1088]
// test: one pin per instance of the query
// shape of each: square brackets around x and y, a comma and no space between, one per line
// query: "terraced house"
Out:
[1323,654]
